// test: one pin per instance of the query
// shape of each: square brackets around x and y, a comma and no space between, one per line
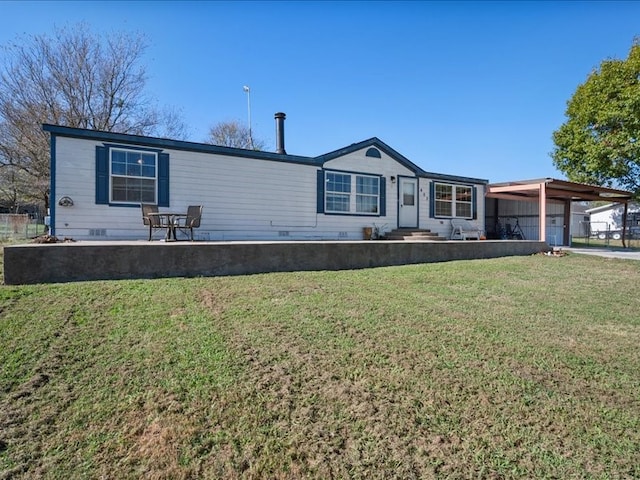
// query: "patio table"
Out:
[169,220]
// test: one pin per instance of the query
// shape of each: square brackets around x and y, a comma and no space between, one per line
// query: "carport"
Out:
[552,190]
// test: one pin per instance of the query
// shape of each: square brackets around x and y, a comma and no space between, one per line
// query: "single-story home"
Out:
[100,179]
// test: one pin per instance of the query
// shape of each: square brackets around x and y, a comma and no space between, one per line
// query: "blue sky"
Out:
[464,88]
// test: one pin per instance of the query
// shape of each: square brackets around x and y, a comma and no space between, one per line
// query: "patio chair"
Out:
[152,221]
[191,221]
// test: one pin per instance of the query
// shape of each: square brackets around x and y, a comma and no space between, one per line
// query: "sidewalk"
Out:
[606,252]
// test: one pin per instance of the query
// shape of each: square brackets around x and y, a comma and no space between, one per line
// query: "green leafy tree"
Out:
[599,143]
[73,78]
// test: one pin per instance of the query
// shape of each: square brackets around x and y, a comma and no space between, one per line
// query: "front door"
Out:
[408,203]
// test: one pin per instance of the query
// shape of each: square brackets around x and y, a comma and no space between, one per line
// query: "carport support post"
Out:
[624,224]
[566,234]
[543,212]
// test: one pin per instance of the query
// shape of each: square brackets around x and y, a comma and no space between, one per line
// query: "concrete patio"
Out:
[91,260]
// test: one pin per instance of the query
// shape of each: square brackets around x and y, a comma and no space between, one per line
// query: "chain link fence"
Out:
[20,226]
[600,234]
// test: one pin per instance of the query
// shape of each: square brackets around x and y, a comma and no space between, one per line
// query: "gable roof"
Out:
[371,142]
[398,157]
[318,161]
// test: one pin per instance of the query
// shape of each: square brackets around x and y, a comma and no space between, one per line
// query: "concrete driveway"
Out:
[607,252]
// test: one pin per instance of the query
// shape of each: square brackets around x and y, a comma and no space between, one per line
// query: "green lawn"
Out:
[523,367]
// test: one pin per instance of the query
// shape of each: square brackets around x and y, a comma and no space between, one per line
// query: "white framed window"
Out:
[338,192]
[351,193]
[133,176]
[453,200]
[367,194]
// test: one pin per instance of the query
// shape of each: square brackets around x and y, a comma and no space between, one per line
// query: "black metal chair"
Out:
[191,221]
[152,221]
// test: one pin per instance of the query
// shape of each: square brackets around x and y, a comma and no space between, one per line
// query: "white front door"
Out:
[408,203]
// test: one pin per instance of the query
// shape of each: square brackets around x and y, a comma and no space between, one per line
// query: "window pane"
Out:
[119,189]
[463,194]
[366,204]
[133,190]
[368,185]
[133,169]
[148,191]
[463,201]
[463,210]
[337,182]
[409,194]
[118,168]
[443,200]
[119,156]
[149,171]
[443,208]
[444,192]
[368,189]
[337,203]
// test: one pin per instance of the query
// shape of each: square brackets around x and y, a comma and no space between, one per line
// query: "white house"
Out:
[607,220]
[99,179]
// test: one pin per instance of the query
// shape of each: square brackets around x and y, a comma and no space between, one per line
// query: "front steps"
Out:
[413,235]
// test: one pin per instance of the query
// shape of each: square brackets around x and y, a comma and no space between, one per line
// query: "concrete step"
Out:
[413,235]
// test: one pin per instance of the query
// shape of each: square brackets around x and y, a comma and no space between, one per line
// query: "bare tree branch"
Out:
[78,79]
[233,134]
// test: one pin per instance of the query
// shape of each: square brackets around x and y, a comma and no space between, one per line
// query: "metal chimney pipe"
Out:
[280,133]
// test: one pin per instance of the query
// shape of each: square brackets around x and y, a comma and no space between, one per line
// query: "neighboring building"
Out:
[99,180]
[607,221]
[579,220]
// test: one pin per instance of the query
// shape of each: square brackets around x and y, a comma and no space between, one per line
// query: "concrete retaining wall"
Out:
[81,261]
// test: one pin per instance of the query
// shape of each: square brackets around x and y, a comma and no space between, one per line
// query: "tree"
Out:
[600,141]
[77,79]
[233,134]
[12,188]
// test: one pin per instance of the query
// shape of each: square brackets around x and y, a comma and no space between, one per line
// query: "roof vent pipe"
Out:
[280,133]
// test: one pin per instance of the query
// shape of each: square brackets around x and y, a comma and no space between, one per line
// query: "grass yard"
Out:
[523,367]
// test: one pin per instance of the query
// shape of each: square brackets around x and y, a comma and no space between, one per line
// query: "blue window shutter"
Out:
[432,200]
[474,202]
[102,175]
[383,197]
[320,192]
[163,179]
